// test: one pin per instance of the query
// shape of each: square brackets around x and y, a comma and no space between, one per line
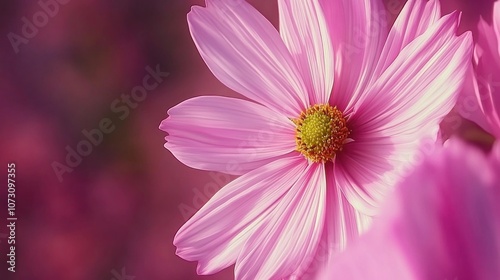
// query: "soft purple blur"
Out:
[441,223]
[121,206]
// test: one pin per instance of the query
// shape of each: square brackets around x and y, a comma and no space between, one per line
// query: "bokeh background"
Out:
[115,214]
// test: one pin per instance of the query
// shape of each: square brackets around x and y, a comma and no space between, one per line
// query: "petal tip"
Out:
[163,125]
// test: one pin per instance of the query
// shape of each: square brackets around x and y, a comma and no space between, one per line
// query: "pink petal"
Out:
[305,33]
[487,93]
[469,104]
[228,135]
[361,172]
[487,78]
[343,225]
[488,42]
[420,87]
[402,109]
[496,24]
[245,52]
[415,18]
[289,236]
[358,30]
[215,235]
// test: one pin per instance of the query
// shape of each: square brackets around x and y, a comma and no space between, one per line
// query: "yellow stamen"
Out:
[321,132]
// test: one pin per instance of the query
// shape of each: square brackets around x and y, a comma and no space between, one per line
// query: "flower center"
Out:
[321,132]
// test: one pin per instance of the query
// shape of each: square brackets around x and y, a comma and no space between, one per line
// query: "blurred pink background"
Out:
[116,213]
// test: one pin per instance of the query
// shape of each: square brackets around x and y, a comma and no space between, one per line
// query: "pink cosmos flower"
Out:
[336,104]
[487,73]
[442,223]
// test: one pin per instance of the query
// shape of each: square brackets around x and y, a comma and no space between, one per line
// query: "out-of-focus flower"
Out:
[487,71]
[480,99]
[339,104]
[442,223]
